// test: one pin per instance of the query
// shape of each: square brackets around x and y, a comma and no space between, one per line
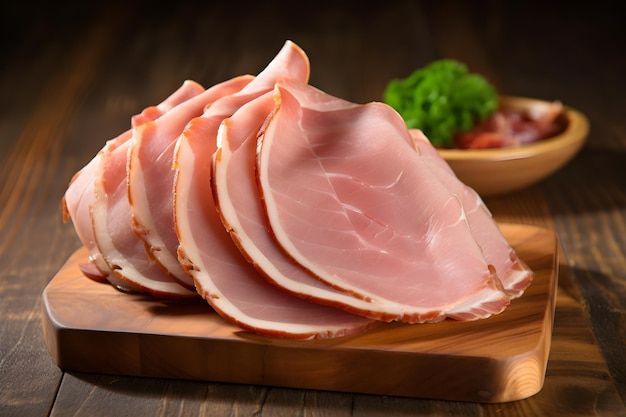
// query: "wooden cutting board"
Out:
[92,327]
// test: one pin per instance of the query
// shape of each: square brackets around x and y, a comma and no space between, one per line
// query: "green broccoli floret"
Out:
[441,99]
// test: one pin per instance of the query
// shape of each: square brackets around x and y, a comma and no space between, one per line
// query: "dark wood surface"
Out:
[70,77]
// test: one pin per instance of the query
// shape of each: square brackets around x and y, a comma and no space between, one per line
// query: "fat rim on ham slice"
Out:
[337,181]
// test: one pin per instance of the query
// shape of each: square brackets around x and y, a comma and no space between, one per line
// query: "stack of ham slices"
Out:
[292,212]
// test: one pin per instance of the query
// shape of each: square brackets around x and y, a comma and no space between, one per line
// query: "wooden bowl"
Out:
[498,171]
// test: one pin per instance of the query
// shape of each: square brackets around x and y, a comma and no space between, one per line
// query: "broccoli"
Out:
[441,99]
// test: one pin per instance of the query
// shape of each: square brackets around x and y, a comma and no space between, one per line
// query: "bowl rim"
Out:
[575,133]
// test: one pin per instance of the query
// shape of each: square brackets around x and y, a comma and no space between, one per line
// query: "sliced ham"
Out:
[79,196]
[121,248]
[239,203]
[292,212]
[507,128]
[349,199]
[151,177]
[229,283]
[512,271]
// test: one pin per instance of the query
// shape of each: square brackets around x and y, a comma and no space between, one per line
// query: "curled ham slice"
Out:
[151,176]
[350,200]
[79,196]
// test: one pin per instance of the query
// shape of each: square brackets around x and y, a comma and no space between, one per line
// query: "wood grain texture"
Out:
[92,327]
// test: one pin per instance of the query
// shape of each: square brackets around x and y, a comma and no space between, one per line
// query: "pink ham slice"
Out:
[338,214]
[123,251]
[111,214]
[79,196]
[512,271]
[350,200]
[229,283]
[151,177]
[77,201]
[238,202]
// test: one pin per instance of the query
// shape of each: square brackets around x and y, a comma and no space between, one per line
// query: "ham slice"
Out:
[79,196]
[239,203]
[512,271]
[151,177]
[349,199]
[292,212]
[121,248]
[229,283]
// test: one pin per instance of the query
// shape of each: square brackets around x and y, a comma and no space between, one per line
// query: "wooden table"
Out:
[70,77]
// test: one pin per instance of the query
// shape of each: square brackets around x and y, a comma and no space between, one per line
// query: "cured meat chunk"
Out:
[350,200]
[79,196]
[229,283]
[151,176]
